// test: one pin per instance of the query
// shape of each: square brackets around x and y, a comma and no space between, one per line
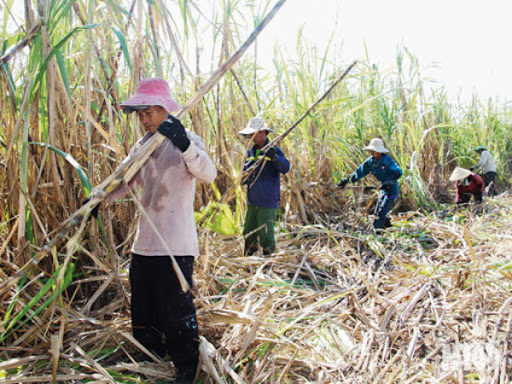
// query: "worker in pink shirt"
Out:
[163,316]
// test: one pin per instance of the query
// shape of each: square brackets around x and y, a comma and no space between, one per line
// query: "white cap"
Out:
[254,125]
[376,145]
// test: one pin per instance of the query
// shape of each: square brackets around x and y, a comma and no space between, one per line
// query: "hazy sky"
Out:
[466,44]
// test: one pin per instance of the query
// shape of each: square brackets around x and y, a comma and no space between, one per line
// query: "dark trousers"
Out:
[490,181]
[257,217]
[464,197]
[163,316]
[384,205]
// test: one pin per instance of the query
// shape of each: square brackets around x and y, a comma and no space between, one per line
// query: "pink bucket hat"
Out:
[154,91]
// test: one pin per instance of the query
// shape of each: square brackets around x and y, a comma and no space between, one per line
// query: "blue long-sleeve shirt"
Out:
[263,189]
[386,170]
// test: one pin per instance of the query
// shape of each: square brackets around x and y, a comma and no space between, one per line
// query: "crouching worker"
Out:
[387,171]
[263,188]
[163,316]
[467,184]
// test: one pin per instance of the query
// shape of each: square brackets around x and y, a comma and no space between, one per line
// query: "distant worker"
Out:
[488,167]
[263,188]
[467,184]
[387,171]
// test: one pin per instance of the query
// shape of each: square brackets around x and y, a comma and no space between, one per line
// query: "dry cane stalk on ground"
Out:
[332,305]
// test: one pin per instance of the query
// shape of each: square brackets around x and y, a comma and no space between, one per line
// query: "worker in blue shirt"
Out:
[387,171]
[263,188]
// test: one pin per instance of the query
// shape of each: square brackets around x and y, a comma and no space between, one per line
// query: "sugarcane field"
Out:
[175,211]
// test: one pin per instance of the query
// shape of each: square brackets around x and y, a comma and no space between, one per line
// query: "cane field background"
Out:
[428,301]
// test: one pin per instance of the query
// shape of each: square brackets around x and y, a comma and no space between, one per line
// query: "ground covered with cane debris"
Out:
[427,301]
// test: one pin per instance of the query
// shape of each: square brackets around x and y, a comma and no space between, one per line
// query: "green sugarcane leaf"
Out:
[124,47]
[68,277]
[58,12]
[84,180]
[53,52]
[64,74]
[218,218]
[12,40]
[13,302]
[332,103]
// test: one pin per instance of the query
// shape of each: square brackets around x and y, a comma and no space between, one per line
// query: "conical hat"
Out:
[460,174]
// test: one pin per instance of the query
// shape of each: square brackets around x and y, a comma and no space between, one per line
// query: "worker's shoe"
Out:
[268,251]
[249,251]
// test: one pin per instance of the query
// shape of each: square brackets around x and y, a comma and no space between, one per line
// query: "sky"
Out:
[464,44]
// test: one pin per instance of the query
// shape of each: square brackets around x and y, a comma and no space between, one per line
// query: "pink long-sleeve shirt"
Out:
[168,181]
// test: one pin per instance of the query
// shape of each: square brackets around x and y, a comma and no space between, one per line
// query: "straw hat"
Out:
[460,174]
[376,145]
[154,91]
[480,147]
[254,125]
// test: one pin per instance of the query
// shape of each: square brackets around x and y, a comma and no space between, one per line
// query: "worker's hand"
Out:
[385,187]
[175,131]
[472,169]
[271,153]
[94,211]
[343,183]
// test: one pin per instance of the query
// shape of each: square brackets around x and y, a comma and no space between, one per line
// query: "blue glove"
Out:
[175,131]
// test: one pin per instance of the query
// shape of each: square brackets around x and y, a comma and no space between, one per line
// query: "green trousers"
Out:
[257,217]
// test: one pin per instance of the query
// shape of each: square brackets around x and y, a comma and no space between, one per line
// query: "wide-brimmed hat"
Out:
[460,174]
[154,91]
[254,125]
[479,148]
[376,145]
